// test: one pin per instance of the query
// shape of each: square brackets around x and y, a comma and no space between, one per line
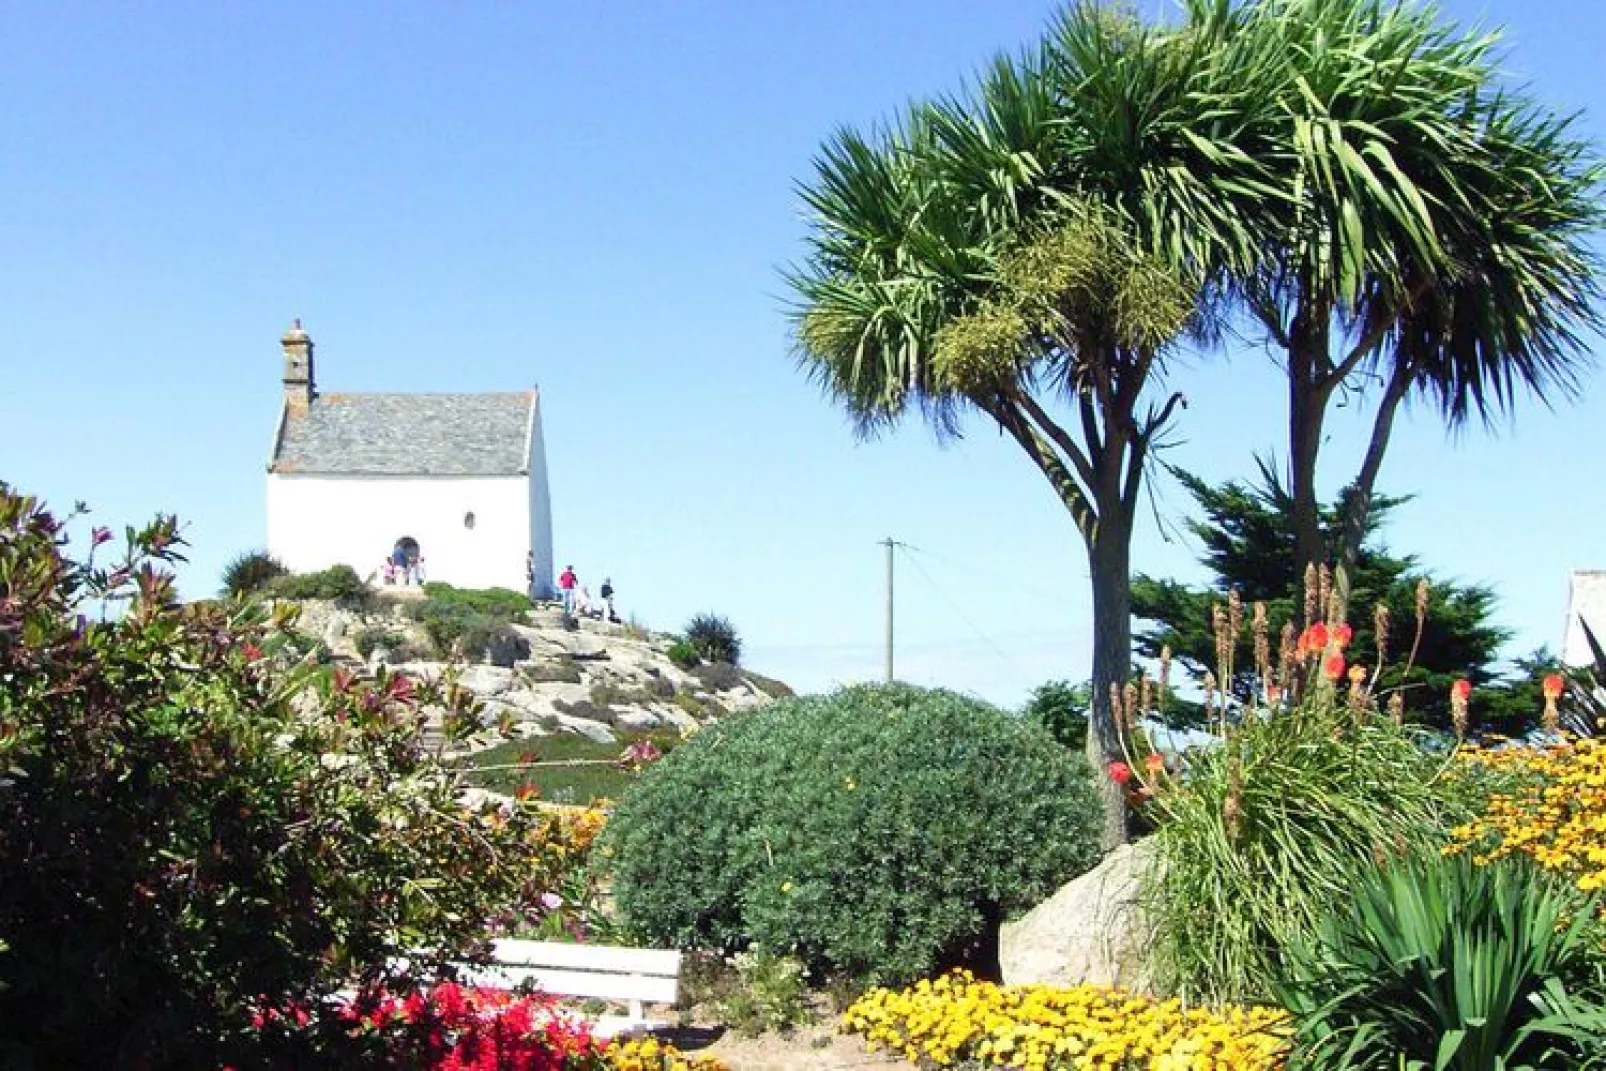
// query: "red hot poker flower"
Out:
[1461,690]
[1120,772]
[1155,762]
[1357,674]
[1333,668]
[1342,634]
[1553,686]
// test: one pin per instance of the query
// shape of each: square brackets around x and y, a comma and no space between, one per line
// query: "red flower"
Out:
[1333,668]
[251,651]
[1461,690]
[1120,772]
[1553,685]
[1342,634]
[1316,637]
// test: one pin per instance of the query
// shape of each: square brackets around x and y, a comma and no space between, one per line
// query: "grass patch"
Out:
[500,768]
[768,685]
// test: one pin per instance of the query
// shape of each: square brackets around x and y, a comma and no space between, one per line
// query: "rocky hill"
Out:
[580,675]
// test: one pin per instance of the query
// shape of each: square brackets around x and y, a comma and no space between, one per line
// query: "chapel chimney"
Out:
[299,386]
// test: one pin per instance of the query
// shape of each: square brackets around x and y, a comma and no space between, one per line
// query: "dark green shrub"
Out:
[1061,708]
[878,831]
[497,602]
[178,851]
[493,641]
[1437,962]
[554,670]
[718,676]
[683,654]
[251,572]
[714,638]
[339,583]
[369,639]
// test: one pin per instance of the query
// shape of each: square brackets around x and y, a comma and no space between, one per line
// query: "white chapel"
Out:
[458,482]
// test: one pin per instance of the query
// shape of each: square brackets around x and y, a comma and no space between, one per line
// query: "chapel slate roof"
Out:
[406,435]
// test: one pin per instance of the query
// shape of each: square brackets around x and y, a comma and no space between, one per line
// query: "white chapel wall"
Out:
[318,521]
[540,507]
[1586,602]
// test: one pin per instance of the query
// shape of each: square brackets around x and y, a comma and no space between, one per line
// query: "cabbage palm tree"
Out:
[1029,255]
[1429,240]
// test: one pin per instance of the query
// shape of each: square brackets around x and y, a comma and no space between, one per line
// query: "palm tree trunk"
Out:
[1306,410]
[1109,556]
[1358,508]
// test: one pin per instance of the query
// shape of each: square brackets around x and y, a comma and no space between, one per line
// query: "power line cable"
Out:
[953,605]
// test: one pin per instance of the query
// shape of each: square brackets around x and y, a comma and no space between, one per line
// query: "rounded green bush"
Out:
[877,832]
[251,572]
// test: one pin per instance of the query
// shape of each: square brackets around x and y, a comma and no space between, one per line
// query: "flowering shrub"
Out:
[957,1018]
[453,1028]
[1551,808]
[457,1028]
[198,826]
[1256,839]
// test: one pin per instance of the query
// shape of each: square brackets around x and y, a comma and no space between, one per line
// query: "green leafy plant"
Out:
[683,654]
[198,829]
[771,994]
[1439,963]
[251,572]
[1061,707]
[1260,835]
[714,638]
[882,832]
[339,583]
[497,602]
[370,639]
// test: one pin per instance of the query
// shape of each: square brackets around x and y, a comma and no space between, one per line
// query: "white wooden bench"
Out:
[636,976]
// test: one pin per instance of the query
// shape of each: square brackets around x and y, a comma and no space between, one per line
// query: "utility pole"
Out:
[889,544]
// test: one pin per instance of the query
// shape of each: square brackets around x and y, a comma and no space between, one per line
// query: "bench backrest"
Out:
[636,975]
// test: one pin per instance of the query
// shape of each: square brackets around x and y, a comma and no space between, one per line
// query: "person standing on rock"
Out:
[607,599]
[567,584]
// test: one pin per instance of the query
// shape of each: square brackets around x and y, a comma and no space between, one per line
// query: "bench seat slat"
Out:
[575,983]
[598,958]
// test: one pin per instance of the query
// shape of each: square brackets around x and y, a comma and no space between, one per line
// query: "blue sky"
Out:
[598,199]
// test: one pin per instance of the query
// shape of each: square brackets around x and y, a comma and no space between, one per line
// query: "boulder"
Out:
[486,680]
[1090,931]
[635,718]
[586,727]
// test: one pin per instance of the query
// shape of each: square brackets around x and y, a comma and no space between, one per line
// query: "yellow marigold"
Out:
[958,1017]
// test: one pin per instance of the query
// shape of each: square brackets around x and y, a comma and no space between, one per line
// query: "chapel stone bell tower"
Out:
[298,382]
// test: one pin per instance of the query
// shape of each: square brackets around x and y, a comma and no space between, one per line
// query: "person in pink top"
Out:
[567,584]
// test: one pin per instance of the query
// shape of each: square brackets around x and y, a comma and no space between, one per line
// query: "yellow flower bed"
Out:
[957,1017]
[651,1054]
[1556,814]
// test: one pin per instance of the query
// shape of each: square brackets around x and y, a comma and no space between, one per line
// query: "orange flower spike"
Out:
[1357,674]
[1333,668]
[1554,685]
[1461,691]
[1316,637]
[1342,634]
[1155,762]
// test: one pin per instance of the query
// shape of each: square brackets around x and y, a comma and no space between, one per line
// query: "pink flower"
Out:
[551,901]
[99,535]
[1120,772]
